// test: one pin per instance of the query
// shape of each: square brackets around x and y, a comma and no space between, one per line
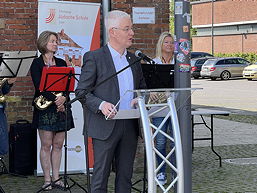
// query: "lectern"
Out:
[166,108]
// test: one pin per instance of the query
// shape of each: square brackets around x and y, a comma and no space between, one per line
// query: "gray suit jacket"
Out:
[97,66]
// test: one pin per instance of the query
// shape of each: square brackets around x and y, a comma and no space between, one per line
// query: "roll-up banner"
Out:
[78,27]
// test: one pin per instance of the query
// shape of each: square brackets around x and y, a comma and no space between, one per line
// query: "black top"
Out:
[48,119]
[36,73]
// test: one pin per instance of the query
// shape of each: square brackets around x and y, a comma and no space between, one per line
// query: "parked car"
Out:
[200,54]
[223,68]
[196,65]
[250,72]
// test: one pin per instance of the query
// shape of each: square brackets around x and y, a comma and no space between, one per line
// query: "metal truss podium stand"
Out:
[165,108]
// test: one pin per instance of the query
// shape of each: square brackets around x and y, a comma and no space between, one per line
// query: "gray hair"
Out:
[113,19]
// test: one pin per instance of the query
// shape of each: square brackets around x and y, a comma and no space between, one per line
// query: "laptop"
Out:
[158,75]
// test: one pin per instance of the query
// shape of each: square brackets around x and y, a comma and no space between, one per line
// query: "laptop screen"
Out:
[158,75]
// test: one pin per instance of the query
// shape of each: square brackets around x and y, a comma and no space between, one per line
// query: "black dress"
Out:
[48,119]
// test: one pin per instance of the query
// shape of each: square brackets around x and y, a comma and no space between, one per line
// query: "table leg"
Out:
[212,147]
[192,125]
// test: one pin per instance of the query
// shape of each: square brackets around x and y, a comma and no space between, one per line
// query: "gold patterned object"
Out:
[159,97]
[2,97]
[42,103]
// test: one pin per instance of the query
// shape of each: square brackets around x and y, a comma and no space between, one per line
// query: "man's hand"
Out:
[11,80]
[134,103]
[108,109]
[60,100]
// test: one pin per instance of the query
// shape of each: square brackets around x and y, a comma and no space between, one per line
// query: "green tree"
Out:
[172,18]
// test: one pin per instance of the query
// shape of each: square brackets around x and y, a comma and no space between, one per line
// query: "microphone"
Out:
[139,54]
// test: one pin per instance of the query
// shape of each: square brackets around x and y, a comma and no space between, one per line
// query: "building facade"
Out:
[224,26]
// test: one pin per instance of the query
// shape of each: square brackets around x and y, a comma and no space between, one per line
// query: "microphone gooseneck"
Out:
[82,96]
[139,54]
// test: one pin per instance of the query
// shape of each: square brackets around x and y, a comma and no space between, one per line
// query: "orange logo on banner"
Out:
[51,16]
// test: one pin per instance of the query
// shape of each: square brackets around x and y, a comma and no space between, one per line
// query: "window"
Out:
[209,62]
[221,62]
[242,61]
[200,62]
[193,62]
[231,61]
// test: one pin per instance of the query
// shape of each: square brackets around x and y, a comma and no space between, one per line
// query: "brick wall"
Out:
[19,32]
[225,11]
[146,35]
[249,43]
[226,44]
[222,44]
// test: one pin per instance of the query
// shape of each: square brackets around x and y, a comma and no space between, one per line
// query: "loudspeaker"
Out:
[22,148]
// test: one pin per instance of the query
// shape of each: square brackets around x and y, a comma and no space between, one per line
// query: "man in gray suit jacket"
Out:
[111,138]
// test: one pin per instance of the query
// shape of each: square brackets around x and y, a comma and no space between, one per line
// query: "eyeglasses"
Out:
[127,29]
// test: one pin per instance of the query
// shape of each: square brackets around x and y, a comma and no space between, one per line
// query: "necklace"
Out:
[48,62]
[166,62]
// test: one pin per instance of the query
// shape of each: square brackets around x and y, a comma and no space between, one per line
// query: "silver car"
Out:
[223,68]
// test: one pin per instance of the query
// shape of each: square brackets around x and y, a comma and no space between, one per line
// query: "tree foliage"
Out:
[172,18]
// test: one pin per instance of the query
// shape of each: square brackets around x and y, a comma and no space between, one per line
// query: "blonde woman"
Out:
[164,55]
[165,49]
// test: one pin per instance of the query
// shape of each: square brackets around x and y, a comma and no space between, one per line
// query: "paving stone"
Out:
[207,176]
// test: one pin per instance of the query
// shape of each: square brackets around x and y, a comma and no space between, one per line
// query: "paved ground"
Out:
[237,94]
[232,140]
[235,142]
